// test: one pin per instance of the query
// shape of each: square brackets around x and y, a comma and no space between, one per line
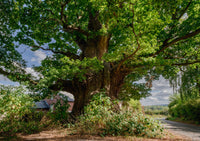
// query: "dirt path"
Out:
[183,129]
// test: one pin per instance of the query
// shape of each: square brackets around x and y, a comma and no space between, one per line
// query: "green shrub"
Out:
[30,127]
[18,116]
[14,107]
[185,109]
[61,114]
[95,115]
[16,112]
[134,124]
[135,105]
[14,103]
[101,119]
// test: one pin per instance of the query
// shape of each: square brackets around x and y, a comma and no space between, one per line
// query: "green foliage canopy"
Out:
[132,36]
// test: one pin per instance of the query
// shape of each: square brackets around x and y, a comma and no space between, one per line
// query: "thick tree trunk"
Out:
[108,80]
[198,81]
[116,82]
[83,91]
[198,86]
[81,100]
[96,47]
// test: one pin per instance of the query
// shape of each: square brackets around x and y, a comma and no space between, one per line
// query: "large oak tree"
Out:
[99,44]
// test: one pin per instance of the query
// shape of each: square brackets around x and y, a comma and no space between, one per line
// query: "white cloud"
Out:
[33,73]
[152,98]
[166,97]
[38,56]
[33,60]
[161,91]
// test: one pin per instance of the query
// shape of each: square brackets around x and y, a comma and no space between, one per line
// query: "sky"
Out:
[160,93]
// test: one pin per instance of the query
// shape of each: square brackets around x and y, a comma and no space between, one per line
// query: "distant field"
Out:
[156,109]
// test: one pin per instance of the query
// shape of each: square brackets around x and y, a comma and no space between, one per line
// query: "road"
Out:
[187,130]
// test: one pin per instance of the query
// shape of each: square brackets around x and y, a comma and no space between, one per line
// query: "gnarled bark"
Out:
[96,47]
[110,81]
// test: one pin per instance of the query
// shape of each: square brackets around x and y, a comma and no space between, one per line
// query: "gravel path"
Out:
[187,130]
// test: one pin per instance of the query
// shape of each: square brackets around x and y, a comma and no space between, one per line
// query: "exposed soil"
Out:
[64,135]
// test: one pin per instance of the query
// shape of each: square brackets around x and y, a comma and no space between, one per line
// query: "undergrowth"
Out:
[100,118]
[184,109]
[17,114]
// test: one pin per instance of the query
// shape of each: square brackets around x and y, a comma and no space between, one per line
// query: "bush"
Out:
[185,109]
[101,119]
[135,105]
[16,113]
[60,115]
[18,116]
[14,103]
[134,124]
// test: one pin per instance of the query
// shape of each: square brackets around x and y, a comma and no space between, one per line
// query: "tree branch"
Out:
[62,10]
[177,19]
[186,63]
[4,72]
[138,47]
[63,85]
[71,29]
[184,10]
[66,28]
[24,78]
[165,46]
[171,56]
[68,54]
